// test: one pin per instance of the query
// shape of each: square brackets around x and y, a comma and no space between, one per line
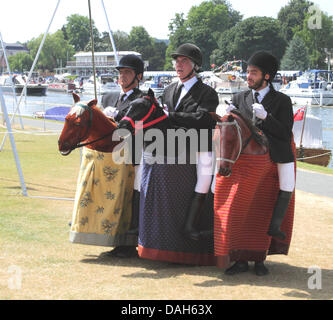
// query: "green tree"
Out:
[203,27]
[157,59]
[55,50]
[296,56]
[77,31]
[318,37]
[179,34]
[20,62]
[103,43]
[140,41]
[292,16]
[121,40]
[248,36]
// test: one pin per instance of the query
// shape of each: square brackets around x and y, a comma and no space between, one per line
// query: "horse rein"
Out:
[241,146]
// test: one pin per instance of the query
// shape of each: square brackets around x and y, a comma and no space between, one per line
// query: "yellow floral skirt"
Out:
[103,201]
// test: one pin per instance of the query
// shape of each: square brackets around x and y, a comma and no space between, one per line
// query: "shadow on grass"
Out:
[282,275]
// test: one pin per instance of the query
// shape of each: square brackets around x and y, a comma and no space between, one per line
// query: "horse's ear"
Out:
[76,97]
[151,93]
[92,103]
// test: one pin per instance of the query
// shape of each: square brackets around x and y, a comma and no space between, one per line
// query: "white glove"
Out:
[165,109]
[260,111]
[230,107]
[110,112]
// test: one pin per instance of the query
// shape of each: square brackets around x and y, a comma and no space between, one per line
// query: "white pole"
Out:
[12,141]
[32,67]
[11,79]
[111,36]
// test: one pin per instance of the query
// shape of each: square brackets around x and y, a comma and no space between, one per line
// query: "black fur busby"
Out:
[266,62]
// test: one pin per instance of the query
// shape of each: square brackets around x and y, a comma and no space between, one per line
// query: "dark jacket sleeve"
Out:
[280,120]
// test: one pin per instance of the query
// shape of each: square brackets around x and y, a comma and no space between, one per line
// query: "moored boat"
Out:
[67,87]
[19,81]
[104,84]
[157,81]
[314,87]
[229,78]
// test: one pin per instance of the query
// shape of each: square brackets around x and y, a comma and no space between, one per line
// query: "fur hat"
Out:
[266,62]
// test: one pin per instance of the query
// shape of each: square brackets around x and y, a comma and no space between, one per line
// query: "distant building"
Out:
[11,50]
[105,62]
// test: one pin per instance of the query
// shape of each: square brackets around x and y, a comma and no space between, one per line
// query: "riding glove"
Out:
[260,111]
[229,108]
[165,109]
[110,112]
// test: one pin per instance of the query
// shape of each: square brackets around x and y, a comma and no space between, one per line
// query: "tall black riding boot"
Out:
[134,228]
[280,209]
[193,214]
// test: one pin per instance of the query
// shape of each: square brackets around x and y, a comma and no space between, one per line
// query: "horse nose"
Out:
[63,145]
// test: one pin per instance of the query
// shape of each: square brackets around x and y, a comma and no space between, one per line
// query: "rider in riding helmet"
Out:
[188,104]
[116,104]
[131,68]
[274,116]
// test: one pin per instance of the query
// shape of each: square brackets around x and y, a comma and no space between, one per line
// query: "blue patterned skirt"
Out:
[166,192]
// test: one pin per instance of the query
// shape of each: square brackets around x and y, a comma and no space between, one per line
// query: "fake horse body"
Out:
[166,191]
[103,200]
[245,192]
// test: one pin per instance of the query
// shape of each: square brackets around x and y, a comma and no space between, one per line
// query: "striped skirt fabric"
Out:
[243,205]
[166,191]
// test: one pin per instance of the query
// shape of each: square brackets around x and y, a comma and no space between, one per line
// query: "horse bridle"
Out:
[140,123]
[80,145]
[239,132]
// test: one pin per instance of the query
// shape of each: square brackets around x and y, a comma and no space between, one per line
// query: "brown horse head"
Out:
[86,122]
[235,135]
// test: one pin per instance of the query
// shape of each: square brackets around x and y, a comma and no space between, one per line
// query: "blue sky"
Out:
[21,20]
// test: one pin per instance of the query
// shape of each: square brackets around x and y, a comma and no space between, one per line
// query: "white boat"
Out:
[61,83]
[104,84]
[157,81]
[314,87]
[33,88]
[228,79]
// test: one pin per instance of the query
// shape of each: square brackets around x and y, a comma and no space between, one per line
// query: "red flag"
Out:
[298,116]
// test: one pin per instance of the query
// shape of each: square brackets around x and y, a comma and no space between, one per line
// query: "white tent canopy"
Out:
[313,132]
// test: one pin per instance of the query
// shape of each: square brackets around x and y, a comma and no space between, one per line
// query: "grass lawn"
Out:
[34,244]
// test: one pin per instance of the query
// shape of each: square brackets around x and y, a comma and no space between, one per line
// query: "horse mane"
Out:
[258,135]
[78,109]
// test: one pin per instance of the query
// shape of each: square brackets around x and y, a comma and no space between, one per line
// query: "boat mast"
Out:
[92,49]
[111,36]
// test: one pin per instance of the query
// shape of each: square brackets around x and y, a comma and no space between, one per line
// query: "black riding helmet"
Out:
[133,62]
[266,62]
[192,52]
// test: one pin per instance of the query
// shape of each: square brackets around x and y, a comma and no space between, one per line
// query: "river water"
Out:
[31,104]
